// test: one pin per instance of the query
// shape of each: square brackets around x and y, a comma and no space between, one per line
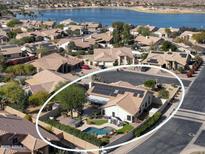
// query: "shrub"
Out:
[28,117]
[163,93]
[125,129]
[150,83]
[38,98]
[147,124]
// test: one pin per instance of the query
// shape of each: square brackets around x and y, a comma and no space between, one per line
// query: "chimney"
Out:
[83,40]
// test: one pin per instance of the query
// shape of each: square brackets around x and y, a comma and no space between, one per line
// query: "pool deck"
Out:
[85,126]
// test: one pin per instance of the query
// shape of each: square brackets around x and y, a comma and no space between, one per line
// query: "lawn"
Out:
[97,121]
[126,128]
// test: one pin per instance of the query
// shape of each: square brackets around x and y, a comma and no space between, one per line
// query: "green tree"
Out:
[144,31]
[126,34]
[72,98]
[13,92]
[199,38]
[38,98]
[71,46]
[11,34]
[21,69]
[13,22]
[166,46]
[2,63]
[168,31]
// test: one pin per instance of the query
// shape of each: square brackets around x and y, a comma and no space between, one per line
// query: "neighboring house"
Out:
[45,81]
[19,136]
[103,39]
[135,32]
[50,34]
[91,26]
[113,56]
[187,35]
[35,23]
[33,47]
[169,60]
[161,32]
[148,40]
[14,55]
[58,63]
[121,100]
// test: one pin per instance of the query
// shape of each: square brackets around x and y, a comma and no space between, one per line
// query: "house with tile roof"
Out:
[58,63]
[19,136]
[120,100]
[113,56]
[169,60]
[45,81]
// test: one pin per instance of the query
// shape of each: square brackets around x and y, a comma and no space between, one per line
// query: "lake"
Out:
[106,16]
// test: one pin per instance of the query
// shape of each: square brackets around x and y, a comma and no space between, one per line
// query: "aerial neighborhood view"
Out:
[134,65]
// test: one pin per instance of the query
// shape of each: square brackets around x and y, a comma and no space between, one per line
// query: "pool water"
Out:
[98,131]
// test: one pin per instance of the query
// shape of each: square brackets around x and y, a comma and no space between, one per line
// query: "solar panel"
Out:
[111,90]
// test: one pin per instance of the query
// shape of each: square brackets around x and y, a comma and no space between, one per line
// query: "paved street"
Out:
[176,134]
[137,78]
[170,139]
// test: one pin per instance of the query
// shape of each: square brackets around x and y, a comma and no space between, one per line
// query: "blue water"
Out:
[98,131]
[107,16]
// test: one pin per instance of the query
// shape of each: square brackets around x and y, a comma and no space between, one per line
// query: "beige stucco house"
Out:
[120,99]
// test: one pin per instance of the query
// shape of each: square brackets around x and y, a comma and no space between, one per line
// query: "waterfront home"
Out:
[120,100]
[44,81]
[148,40]
[109,57]
[151,28]
[169,60]
[19,136]
[187,35]
[68,22]
[76,27]
[91,26]
[58,63]
[35,23]
[162,32]
[50,34]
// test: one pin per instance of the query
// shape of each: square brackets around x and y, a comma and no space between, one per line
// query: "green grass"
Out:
[126,128]
[97,121]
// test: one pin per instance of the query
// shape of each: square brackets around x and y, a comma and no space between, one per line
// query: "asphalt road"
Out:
[195,99]
[170,139]
[200,140]
[173,137]
[137,78]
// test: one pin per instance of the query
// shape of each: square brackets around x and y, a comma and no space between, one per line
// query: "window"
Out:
[103,112]
[113,114]
[128,117]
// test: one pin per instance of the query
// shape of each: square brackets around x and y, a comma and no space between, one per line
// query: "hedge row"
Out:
[147,124]
[78,133]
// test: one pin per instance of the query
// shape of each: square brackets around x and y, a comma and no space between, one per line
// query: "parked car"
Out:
[86,67]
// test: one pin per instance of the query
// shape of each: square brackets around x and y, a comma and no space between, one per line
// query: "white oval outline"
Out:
[121,144]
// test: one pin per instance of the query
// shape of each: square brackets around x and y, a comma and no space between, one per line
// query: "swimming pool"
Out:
[98,131]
